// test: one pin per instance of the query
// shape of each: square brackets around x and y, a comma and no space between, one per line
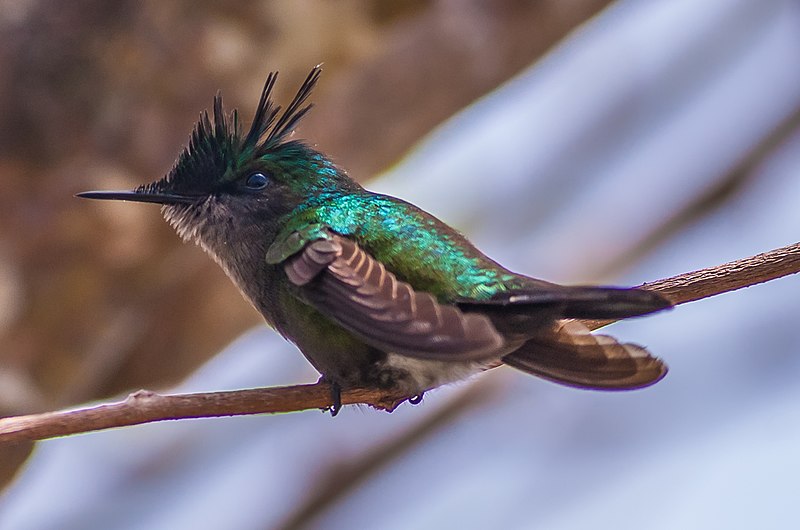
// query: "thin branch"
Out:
[145,406]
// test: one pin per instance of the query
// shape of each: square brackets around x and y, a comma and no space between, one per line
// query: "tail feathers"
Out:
[569,354]
[611,302]
[587,302]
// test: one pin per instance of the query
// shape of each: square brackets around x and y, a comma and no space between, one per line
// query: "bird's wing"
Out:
[569,354]
[339,278]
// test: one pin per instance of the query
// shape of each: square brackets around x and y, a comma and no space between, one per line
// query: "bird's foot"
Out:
[336,399]
[416,400]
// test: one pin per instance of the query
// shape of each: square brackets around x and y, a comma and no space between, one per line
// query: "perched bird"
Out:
[374,291]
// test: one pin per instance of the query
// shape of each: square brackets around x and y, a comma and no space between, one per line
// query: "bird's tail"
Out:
[610,302]
[570,355]
[544,301]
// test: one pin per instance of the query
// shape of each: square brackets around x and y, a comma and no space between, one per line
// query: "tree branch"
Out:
[145,406]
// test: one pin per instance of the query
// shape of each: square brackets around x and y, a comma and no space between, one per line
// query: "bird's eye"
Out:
[256,181]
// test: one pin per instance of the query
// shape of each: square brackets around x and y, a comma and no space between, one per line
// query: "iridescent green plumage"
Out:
[373,290]
[417,247]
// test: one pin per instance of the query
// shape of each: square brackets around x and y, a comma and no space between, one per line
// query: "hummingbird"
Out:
[374,291]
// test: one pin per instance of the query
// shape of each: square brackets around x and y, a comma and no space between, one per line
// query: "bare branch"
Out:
[145,406]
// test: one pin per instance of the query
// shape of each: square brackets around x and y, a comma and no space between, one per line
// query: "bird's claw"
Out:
[416,400]
[336,399]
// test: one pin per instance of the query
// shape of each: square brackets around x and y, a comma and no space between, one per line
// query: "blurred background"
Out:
[577,141]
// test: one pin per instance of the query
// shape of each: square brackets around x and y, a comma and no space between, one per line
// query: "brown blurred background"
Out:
[97,299]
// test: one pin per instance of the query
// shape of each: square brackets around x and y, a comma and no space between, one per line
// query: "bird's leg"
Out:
[416,400]
[336,399]
[336,396]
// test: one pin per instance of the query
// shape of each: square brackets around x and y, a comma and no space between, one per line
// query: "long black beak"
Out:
[138,196]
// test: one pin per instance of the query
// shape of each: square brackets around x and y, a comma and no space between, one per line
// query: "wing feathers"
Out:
[351,287]
[306,265]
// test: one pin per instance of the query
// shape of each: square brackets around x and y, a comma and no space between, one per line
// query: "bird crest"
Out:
[217,147]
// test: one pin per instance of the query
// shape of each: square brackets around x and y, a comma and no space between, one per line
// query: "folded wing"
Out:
[352,288]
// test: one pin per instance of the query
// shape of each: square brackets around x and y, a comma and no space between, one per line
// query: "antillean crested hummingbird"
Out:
[374,291]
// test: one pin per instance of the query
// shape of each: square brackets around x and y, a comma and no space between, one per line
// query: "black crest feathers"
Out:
[217,148]
[265,132]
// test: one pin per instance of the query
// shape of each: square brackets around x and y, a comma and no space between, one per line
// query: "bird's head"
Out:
[226,183]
